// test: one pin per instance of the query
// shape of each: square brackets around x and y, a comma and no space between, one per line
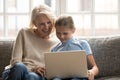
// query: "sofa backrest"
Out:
[5,54]
[106,51]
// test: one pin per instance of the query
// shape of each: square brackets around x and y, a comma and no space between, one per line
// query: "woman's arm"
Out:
[17,52]
[94,69]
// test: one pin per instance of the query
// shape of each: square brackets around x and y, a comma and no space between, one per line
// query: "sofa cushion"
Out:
[5,54]
[109,78]
[106,51]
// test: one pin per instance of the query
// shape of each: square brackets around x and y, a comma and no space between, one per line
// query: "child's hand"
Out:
[90,75]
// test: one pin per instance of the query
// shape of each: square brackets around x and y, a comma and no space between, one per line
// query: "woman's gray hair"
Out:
[44,10]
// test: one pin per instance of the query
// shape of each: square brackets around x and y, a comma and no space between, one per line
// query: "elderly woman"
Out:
[27,62]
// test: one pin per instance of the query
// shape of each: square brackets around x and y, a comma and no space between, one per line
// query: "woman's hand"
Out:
[39,70]
[90,75]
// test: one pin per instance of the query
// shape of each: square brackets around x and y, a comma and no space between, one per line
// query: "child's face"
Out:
[64,33]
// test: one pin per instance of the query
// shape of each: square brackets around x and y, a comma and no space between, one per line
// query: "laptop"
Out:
[66,64]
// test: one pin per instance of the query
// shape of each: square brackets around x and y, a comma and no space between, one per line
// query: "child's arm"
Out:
[94,69]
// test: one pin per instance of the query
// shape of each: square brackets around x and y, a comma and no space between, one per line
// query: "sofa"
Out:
[106,51]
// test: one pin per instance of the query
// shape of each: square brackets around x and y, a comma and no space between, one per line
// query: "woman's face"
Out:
[44,26]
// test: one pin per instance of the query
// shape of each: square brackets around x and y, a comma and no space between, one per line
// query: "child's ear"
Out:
[73,30]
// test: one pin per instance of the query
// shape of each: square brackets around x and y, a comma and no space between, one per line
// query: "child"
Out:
[64,30]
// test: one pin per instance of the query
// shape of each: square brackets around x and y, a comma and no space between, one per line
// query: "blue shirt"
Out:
[73,44]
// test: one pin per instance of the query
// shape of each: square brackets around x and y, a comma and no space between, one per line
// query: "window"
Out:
[94,17]
[91,17]
[15,14]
